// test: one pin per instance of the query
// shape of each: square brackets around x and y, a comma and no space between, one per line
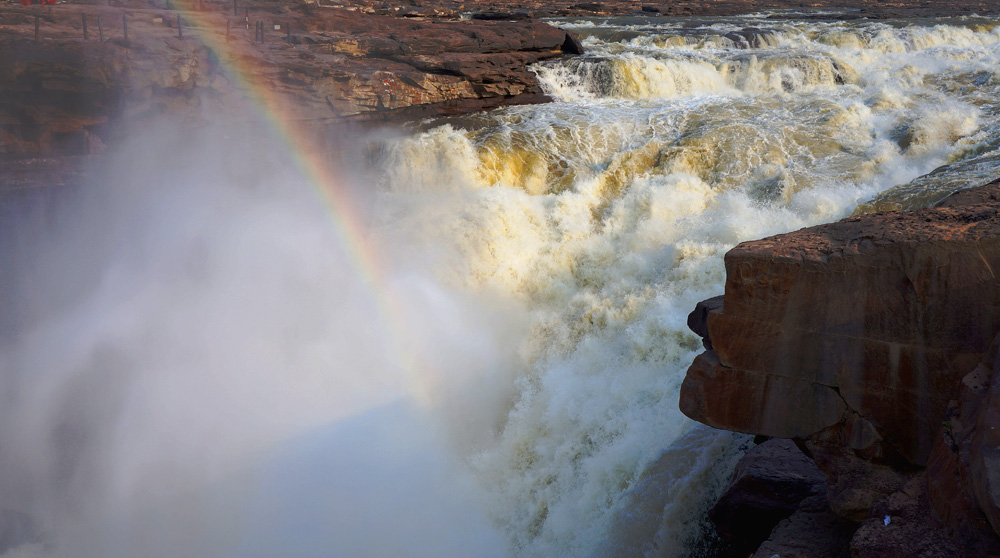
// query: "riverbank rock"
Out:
[872,342]
[811,532]
[963,470]
[311,65]
[866,325]
[768,485]
[846,9]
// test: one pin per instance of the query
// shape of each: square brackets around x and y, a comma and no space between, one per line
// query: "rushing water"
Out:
[605,216]
[192,365]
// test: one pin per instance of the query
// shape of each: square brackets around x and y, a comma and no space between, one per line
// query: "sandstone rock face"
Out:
[323,66]
[767,487]
[963,469]
[744,401]
[867,324]
[857,338]
[984,453]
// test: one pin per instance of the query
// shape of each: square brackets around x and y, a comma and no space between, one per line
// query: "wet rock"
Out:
[749,38]
[984,454]
[767,486]
[572,44]
[697,320]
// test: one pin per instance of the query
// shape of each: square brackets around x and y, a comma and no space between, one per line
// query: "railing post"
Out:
[84,18]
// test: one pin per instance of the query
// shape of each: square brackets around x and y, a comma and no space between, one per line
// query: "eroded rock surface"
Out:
[867,324]
[315,64]
[871,342]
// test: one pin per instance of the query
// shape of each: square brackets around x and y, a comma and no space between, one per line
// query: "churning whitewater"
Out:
[604,217]
[198,369]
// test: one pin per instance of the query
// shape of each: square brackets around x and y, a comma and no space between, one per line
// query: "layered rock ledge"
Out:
[314,64]
[856,339]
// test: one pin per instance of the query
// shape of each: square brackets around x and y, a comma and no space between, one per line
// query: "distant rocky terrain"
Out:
[313,64]
[562,8]
[872,343]
[70,71]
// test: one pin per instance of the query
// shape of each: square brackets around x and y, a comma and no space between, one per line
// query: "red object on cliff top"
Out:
[30,2]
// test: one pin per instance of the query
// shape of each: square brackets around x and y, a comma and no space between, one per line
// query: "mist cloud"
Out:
[193,366]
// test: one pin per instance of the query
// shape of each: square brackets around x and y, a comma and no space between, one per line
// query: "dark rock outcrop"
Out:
[901,526]
[964,467]
[811,532]
[767,486]
[698,318]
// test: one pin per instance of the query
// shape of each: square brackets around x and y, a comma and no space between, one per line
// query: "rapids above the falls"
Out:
[604,216]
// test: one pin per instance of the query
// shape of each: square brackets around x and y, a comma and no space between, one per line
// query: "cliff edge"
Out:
[868,342]
[76,69]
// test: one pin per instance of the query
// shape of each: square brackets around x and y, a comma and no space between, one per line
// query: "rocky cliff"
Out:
[69,70]
[857,340]
[317,64]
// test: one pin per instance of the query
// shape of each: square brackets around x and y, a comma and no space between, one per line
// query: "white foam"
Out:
[660,156]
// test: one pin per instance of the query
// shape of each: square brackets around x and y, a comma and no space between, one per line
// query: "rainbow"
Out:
[209,29]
